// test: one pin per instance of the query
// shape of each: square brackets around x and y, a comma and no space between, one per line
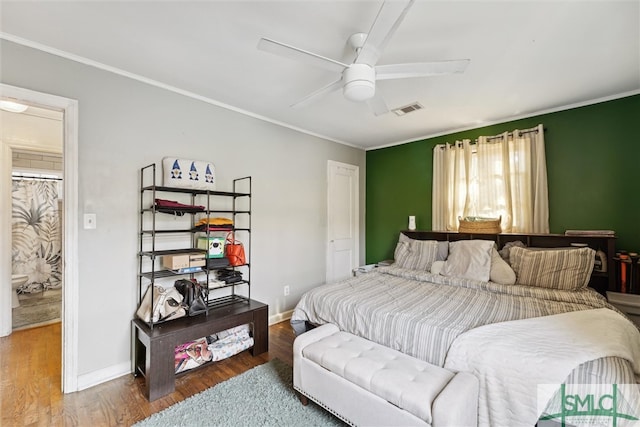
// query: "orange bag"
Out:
[234,250]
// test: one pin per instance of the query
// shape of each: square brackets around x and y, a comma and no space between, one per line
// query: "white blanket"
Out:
[511,358]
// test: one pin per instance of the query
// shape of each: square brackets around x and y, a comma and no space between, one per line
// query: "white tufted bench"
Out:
[365,383]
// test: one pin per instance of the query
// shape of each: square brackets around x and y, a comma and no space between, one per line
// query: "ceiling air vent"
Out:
[408,109]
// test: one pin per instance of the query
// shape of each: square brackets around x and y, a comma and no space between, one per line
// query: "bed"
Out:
[442,302]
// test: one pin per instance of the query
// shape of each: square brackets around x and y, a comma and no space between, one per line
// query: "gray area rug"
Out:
[38,308]
[262,396]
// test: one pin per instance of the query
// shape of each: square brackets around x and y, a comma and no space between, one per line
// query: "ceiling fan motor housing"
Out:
[359,82]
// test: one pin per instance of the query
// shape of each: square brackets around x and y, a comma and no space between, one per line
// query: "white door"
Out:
[342,222]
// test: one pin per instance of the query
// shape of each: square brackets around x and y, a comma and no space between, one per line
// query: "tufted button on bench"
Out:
[365,383]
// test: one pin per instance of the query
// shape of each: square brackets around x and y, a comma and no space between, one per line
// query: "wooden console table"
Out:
[155,348]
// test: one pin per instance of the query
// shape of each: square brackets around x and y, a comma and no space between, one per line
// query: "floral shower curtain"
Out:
[36,239]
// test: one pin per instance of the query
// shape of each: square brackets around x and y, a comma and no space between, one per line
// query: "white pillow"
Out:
[469,259]
[416,255]
[436,267]
[501,272]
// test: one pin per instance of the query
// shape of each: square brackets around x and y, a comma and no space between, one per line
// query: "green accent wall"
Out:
[593,169]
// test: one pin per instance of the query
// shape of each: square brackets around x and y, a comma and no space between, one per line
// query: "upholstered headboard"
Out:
[600,281]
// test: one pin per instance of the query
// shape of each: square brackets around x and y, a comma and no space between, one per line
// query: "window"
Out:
[499,176]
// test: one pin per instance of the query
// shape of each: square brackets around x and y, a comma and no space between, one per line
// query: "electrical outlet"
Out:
[286,290]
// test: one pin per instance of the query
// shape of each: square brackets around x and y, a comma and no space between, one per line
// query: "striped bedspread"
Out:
[420,313]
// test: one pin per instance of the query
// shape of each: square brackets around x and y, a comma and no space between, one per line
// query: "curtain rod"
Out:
[520,133]
[490,138]
[20,177]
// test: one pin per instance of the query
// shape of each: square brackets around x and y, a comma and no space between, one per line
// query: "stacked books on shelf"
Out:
[627,272]
[187,270]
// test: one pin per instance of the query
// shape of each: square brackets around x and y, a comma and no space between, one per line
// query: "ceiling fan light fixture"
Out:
[359,90]
[359,82]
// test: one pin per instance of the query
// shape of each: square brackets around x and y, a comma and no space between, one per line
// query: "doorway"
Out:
[342,220]
[69,110]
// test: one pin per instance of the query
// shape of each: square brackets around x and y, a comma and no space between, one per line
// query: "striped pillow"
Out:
[443,246]
[565,269]
[416,254]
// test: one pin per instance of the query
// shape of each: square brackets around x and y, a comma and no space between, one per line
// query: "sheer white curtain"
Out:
[503,175]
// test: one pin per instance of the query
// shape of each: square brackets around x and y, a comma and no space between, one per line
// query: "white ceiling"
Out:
[37,127]
[526,56]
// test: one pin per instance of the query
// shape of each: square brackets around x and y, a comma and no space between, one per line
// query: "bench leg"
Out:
[260,331]
[160,370]
[303,399]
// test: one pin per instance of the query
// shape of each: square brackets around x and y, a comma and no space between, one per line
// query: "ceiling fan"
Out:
[358,79]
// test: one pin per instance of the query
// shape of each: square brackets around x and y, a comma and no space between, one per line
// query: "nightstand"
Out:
[364,269]
[627,303]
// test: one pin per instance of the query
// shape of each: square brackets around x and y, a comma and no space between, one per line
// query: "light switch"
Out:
[89,221]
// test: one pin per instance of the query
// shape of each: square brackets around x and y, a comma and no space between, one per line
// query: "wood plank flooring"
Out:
[30,382]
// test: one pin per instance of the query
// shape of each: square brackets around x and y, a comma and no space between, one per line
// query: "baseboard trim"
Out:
[103,375]
[280,317]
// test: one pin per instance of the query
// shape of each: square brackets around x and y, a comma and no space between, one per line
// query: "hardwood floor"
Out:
[30,382]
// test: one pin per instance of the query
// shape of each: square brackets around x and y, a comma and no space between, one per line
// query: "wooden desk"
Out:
[155,348]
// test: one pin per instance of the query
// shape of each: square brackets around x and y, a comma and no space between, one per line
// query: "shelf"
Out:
[194,191]
[155,342]
[228,285]
[154,229]
[230,211]
[173,211]
[226,266]
[212,305]
[227,300]
[195,211]
[151,232]
[163,274]
[173,252]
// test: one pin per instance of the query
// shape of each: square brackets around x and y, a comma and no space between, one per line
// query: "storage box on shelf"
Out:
[182,260]
[169,250]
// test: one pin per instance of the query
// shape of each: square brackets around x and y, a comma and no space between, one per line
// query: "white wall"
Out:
[124,125]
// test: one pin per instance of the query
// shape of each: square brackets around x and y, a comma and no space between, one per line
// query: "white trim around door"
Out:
[70,227]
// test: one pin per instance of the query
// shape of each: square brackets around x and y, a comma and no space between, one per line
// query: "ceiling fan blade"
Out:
[302,55]
[317,94]
[420,69]
[389,18]
[377,104]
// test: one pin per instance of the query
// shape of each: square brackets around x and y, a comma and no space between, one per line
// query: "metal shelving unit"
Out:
[153,235]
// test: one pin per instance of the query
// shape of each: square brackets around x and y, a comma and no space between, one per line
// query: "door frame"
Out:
[69,107]
[356,213]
